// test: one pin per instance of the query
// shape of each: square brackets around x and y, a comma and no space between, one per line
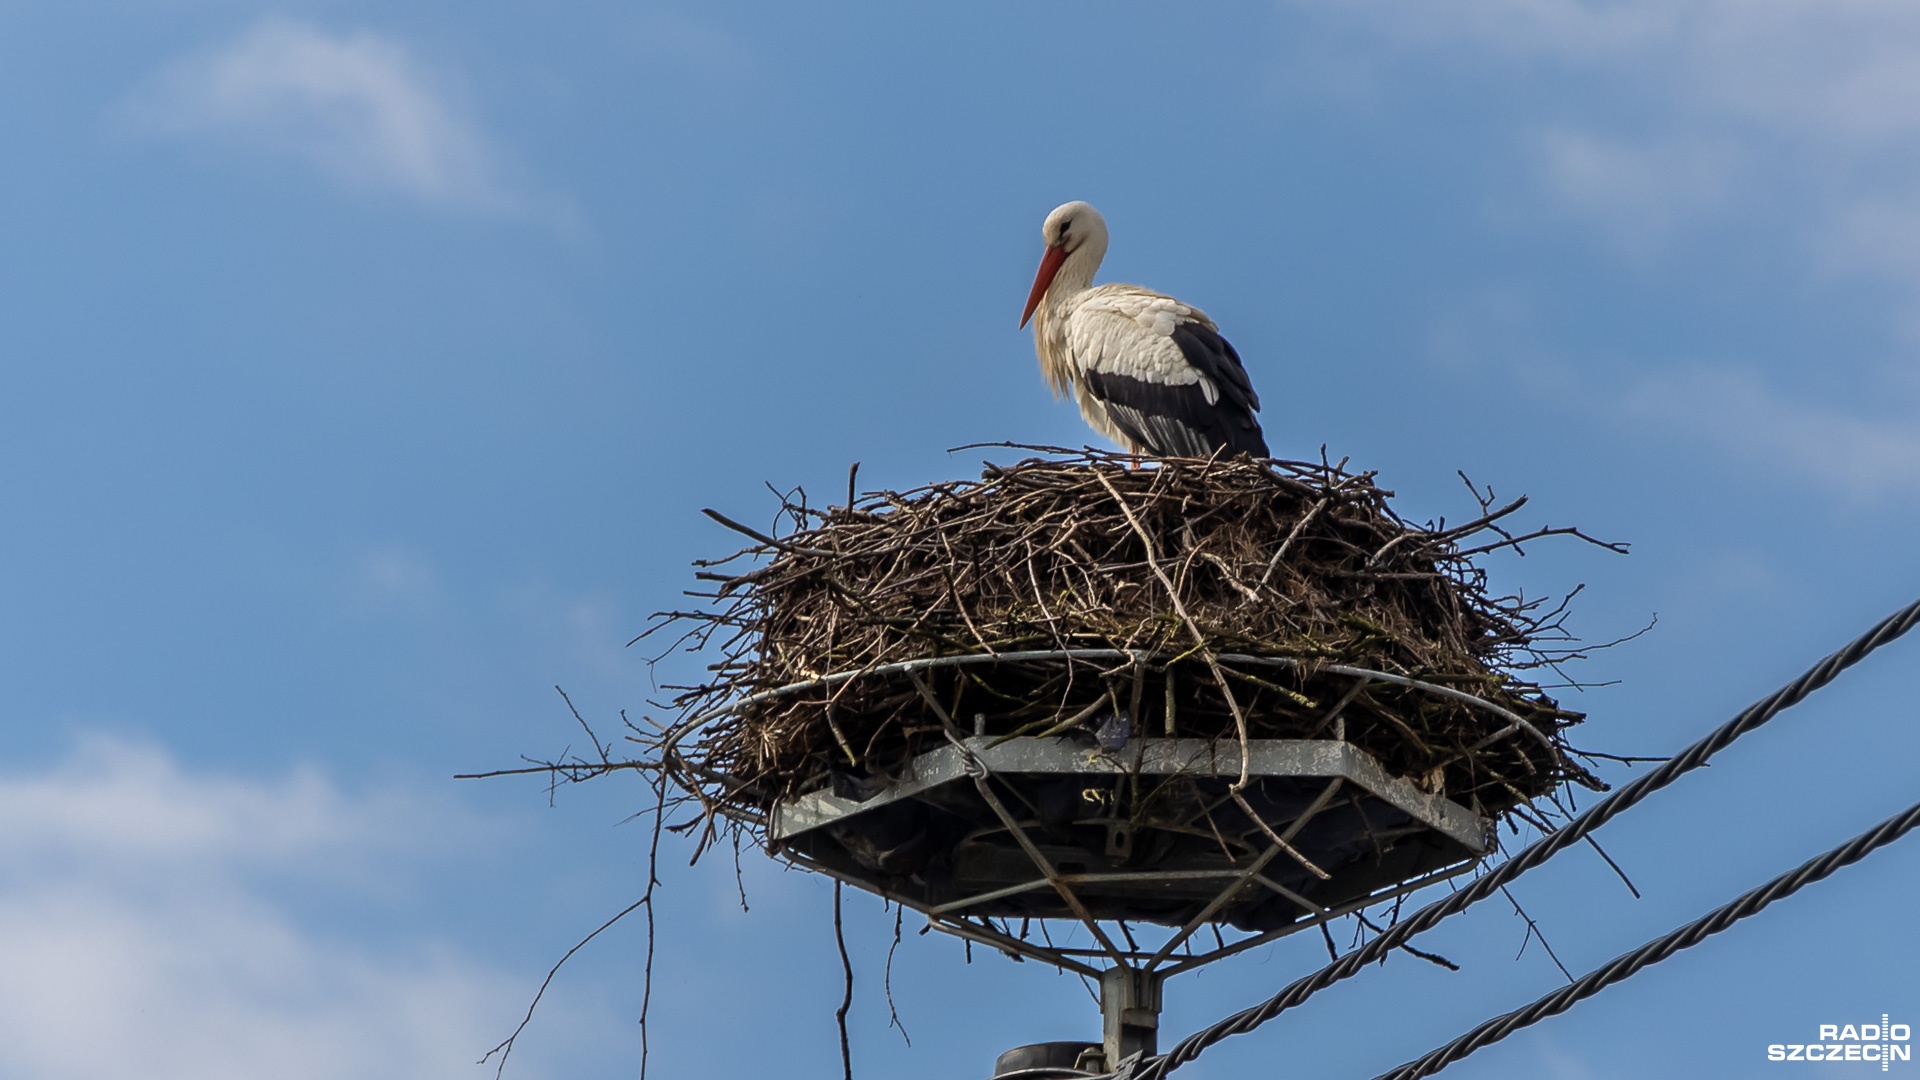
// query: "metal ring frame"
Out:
[1515,722]
[1157,963]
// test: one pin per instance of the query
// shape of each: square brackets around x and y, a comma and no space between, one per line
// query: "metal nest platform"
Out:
[1148,830]
[1117,830]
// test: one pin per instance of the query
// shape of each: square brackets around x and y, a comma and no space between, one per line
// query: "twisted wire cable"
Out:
[1693,757]
[1620,967]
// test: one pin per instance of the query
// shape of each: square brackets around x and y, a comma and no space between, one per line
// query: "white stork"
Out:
[1148,371]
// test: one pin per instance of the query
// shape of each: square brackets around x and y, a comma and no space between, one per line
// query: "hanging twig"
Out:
[846,1001]
[1533,934]
[893,1014]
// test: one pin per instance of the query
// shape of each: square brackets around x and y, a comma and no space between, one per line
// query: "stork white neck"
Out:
[1076,239]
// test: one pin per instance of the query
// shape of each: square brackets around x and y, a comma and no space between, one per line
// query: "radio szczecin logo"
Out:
[1881,1044]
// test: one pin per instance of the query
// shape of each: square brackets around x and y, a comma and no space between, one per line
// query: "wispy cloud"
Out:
[1567,29]
[1556,1063]
[395,578]
[1640,191]
[358,106]
[1743,416]
[130,807]
[1798,119]
[1806,110]
[581,632]
[140,941]
[700,47]
[1734,410]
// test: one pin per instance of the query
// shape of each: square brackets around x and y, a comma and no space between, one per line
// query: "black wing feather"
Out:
[1176,420]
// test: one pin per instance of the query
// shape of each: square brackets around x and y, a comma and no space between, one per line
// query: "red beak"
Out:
[1049,266]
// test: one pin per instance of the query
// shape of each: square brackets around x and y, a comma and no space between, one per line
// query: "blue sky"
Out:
[363,370]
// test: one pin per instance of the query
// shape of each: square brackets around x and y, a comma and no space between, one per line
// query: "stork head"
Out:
[1073,231]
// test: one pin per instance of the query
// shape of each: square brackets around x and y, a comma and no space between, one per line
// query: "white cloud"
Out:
[699,46]
[1556,1063]
[1875,234]
[1639,191]
[570,631]
[1836,451]
[139,940]
[585,631]
[358,106]
[130,805]
[397,579]
[1807,107]
[1494,335]
[1791,118]
[1839,73]
[1562,28]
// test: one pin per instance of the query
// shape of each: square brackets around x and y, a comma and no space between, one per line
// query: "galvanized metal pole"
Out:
[1129,1013]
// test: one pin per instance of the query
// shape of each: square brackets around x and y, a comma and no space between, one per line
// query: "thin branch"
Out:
[846,1002]
[506,1045]
[1533,933]
[893,1014]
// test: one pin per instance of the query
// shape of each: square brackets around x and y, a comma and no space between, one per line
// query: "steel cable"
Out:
[1693,757]
[1660,948]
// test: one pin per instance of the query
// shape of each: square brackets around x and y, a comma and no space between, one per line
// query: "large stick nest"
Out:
[1184,564]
